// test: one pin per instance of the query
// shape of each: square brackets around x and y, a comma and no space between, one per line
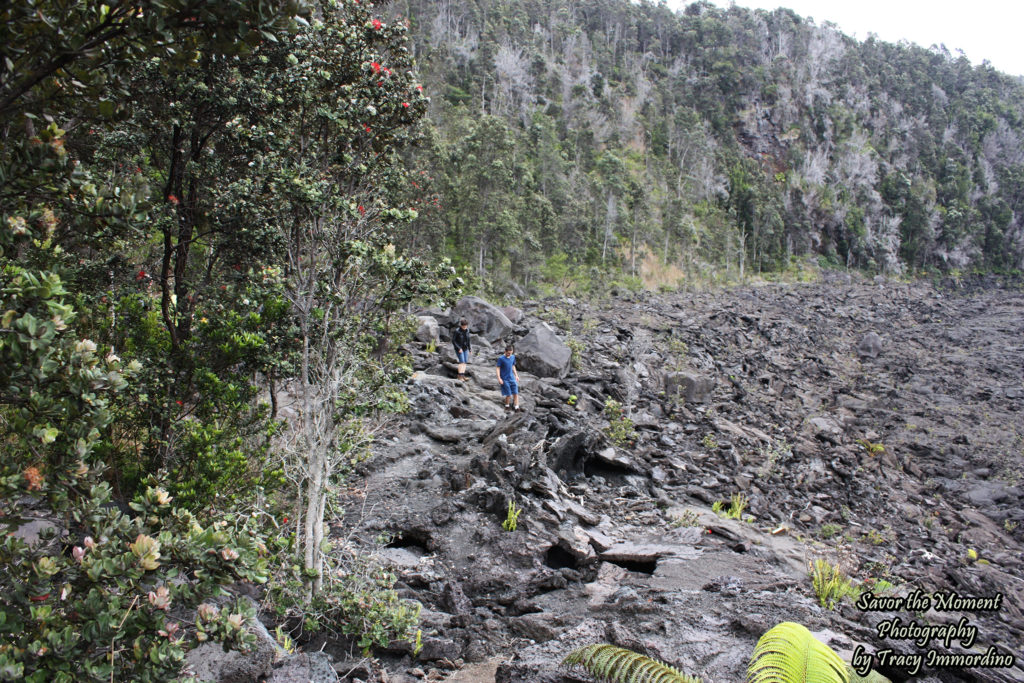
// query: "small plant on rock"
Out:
[512,517]
[872,449]
[620,429]
[709,442]
[576,347]
[830,584]
[738,503]
[829,530]
[874,537]
[771,455]
[688,518]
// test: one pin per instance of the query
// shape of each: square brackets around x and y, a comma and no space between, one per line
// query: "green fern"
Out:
[618,665]
[788,653]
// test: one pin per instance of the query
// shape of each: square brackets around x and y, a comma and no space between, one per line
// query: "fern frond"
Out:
[788,653]
[619,665]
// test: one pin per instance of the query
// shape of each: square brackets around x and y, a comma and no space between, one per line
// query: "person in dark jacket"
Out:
[460,340]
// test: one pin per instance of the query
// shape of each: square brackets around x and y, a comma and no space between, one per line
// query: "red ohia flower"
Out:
[140,276]
[367,127]
[375,66]
[405,104]
[172,199]
[376,24]
[362,210]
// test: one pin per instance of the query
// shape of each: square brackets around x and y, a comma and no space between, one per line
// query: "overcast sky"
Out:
[983,29]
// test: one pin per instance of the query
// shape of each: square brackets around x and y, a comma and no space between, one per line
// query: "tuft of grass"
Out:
[738,503]
[512,517]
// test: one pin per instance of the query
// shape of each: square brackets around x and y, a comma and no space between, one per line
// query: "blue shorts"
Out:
[463,356]
[510,388]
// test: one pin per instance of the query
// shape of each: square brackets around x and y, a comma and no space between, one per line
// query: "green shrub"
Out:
[688,518]
[99,611]
[620,429]
[830,530]
[357,598]
[576,347]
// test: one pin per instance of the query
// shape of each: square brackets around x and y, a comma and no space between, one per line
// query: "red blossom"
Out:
[172,199]
[376,24]
[405,104]
[367,127]
[375,66]
[419,88]
[140,276]
[387,71]
[362,210]
[179,403]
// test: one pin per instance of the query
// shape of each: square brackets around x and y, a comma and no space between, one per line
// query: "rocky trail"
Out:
[875,424]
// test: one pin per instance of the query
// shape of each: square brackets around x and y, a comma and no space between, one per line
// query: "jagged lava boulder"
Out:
[542,353]
[484,318]
[428,329]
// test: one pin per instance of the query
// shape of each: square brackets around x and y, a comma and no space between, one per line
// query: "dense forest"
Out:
[566,136]
[207,206]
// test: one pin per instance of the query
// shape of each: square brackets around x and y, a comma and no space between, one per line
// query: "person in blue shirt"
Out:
[509,377]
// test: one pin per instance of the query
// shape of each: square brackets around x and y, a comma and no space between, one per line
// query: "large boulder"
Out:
[485,319]
[692,387]
[209,661]
[542,353]
[428,330]
[870,345]
[304,667]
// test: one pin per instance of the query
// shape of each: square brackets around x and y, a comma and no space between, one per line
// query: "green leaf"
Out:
[789,653]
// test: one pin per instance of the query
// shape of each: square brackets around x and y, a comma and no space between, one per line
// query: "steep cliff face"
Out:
[612,132]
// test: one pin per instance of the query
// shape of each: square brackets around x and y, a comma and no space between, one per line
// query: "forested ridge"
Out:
[567,134]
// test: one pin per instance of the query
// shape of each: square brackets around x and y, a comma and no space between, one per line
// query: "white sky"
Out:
[983,29]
